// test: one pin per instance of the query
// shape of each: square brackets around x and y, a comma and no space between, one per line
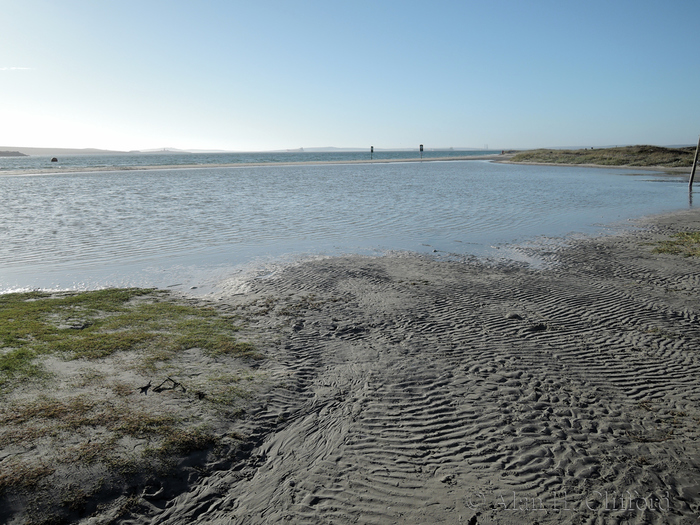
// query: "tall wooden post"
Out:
[695,163]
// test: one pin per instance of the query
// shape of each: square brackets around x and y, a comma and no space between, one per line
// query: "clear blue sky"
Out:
[261,75]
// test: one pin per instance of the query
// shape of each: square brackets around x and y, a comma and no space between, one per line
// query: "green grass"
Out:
[686,244]
[89,417]
[19,362]
[623,156]
[93,325]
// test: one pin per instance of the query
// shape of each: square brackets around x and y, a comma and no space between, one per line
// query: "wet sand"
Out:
[415,391]
[402,389]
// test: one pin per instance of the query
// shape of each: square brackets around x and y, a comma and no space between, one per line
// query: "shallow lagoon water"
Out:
[67,163]
[185,228]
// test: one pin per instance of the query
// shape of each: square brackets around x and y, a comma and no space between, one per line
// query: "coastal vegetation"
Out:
[126,382]
[622,156]
[96,324]
[686,244]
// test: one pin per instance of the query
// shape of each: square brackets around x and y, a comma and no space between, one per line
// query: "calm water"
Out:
[73,162]
[192,227]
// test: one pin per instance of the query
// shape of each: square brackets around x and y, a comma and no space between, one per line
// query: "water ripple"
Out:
[137,219]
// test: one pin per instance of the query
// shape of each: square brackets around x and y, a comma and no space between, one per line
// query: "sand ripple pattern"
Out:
[411,391]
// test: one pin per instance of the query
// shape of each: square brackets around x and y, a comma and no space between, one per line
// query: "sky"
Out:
[265,75]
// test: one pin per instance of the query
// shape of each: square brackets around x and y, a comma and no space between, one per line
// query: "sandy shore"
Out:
[407,390]
[666,169]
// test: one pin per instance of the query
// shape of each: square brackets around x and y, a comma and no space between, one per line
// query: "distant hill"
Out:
[175,150]
[11,154]
[62,151]
[55,152]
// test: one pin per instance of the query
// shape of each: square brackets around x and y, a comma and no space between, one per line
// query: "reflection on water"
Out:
[188,227]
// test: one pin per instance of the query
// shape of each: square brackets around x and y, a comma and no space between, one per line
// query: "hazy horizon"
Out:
[274,76]
[69,151]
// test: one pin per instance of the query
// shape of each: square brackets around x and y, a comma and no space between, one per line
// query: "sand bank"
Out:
[57,170]
[407,390]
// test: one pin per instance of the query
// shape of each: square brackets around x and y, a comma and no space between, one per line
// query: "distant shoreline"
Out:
[57,169]
[668,169]
[655,158]
[50,152]
[12,154]
[508,157]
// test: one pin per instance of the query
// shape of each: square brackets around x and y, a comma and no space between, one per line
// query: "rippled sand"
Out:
[405,390]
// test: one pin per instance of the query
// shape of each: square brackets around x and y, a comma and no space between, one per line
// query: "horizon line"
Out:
[317,149]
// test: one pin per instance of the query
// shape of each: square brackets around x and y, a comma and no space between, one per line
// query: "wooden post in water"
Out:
[695,163]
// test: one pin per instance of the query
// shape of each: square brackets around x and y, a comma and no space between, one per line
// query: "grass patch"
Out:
[87,453]
[92,425]
[71,413]
[146,425]
[18,363]
[623,156]
[22,423]
[686,244]
[226,392]
[228,395]
[93,325]
[27,424]
[185,441]
[93,345]
[17,473]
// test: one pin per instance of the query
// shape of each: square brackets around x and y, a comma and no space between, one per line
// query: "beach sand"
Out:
[401,389]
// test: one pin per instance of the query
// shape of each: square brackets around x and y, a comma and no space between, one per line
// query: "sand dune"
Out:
[413,391]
